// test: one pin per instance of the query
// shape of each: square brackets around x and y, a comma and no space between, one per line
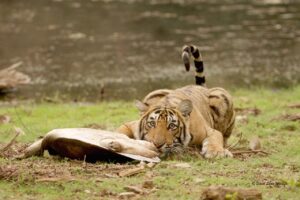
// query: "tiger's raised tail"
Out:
[193,51]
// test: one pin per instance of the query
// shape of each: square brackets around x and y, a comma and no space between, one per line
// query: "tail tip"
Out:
[186,60]
[187,66]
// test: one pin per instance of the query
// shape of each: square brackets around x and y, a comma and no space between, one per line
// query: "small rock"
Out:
[255,143]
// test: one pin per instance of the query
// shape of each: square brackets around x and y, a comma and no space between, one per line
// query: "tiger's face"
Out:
[166,127]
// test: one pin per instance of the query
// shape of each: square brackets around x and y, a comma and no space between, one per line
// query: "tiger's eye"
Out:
[172,126]
[151,124]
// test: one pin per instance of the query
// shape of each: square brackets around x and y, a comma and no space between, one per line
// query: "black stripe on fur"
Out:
[200,80]
[196,53]
[216,110]
[226,100]
[193,51]
[199,66]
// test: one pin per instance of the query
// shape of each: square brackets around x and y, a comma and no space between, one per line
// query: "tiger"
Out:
[193,115]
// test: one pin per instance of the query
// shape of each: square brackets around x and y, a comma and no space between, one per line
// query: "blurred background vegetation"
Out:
[122,49]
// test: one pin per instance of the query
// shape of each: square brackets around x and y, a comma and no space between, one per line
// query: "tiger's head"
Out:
[165,126]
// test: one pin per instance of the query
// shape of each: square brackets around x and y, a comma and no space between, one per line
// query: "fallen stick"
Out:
[249,151]
[10,77]
[14,66]
[234,145]
[222,193]
[131,172]
[134,189]
[12,141]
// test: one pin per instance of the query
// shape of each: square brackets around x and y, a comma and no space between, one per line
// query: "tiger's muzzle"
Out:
[160,136]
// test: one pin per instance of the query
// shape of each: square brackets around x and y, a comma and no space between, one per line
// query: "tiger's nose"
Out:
[158,145]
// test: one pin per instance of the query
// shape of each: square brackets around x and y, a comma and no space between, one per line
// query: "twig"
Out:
[131,172]
[249,151]
[16,65]
[21,121]
[13,66]
[84,165]
[12,141]
[10,78]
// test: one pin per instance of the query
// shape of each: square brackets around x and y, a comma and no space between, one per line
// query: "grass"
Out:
[277,175]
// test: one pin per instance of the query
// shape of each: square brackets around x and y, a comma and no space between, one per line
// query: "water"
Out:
[109,49]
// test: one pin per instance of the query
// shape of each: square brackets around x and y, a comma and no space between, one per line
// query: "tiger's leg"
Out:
[34,149]
[146,144]
[213,145]
[139,147]
[221,106]
[128,128]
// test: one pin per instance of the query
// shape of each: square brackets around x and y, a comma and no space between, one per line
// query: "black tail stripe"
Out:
[196,53]
[200,80]
[199,66]
[187,52]
[186,49]
[192,48]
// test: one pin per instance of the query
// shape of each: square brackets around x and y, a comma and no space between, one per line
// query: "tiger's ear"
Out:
[185,107]
[142,107]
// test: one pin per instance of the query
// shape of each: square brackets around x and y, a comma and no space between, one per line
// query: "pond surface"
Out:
[109,49]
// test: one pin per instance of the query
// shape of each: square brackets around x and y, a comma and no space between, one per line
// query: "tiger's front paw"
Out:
[111,144]
[214,151]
